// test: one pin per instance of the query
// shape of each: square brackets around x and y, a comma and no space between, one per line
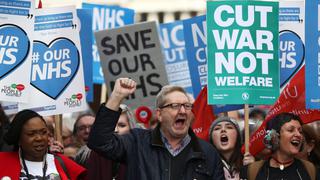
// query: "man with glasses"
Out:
[81,130]
[170,151]
[82,127]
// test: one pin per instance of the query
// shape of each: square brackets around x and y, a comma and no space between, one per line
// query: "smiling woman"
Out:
[285,139]
[28,133]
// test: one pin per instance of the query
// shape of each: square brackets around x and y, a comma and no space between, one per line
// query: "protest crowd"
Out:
[226,95]
[113,145]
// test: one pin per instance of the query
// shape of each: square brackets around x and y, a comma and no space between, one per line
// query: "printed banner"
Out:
[312,54]
[16,28]
[173,46]
[85,17]
[243,52]
[203,115]
[291,39]
[133,51]
[56,71]
[105,17]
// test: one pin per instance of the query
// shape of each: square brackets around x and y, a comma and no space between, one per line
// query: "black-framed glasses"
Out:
[177,106]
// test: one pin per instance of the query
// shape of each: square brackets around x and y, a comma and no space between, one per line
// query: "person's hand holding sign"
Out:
[122,88]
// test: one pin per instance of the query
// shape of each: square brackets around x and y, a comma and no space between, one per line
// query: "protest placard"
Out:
[174,51]
[133,51]
[85,17]
[312,54]
[105,17]
[16,28]
[242,38]
[291,38]
[56,70]
[195,35]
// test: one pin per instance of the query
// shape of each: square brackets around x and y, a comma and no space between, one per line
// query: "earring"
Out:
[271,139]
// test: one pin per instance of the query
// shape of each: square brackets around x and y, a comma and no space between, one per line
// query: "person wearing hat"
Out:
[284,137]
[28,133]
[224,135]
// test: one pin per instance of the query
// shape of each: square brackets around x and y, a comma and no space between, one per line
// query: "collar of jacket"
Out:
[197,150]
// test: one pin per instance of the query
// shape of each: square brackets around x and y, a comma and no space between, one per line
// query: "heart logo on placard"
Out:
[14,48]
[291,55]
[54,66]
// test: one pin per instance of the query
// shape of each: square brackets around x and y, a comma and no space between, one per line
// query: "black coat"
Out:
[146,156]
[4,147]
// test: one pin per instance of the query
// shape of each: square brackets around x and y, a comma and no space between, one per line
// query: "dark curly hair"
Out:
[13,135]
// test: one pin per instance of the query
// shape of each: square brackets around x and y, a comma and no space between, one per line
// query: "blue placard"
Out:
[14,47]
[105,17]
[312,61]
[85,17]
[173,47]
[196,45]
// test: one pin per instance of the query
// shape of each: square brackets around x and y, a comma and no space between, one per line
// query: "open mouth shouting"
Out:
[180,123]
[224,139]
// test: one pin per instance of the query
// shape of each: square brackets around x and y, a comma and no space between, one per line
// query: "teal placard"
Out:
[243,65]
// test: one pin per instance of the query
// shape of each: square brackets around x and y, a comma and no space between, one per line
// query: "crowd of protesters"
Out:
[114,145]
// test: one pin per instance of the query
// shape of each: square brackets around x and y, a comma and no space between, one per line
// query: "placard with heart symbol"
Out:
[14,48]
[54,66]
[291,55]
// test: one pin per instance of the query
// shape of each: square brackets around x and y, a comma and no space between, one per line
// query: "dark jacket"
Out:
[145,154]
[296,170]
[101,168]
[4,147]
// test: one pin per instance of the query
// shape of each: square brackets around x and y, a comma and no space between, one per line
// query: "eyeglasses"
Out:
[177,106]
[84,127]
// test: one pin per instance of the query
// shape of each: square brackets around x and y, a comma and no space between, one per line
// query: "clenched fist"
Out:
[122,88]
